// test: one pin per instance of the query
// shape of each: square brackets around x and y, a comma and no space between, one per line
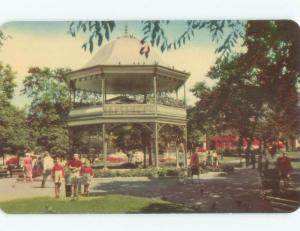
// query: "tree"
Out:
[7,84]
[224,32]
[13,127]
[130,137]
[201,123]
[274,49]
[3,37]
[232,104]
[256,92]
[50,105]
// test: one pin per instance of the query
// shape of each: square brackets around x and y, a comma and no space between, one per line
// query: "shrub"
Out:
[149,172]
[229,152]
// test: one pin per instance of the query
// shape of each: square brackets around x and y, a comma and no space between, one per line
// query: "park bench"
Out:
[282,205]
[3,173]
[17,171]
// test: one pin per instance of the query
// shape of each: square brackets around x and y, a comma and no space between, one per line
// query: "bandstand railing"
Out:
[125,109]
[129,108]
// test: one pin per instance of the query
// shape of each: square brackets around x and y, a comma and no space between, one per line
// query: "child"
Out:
[57,176]
[68,181]
[86,174]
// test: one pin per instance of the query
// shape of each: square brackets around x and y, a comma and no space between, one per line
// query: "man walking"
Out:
[285,168]
[47,167]
[195,165]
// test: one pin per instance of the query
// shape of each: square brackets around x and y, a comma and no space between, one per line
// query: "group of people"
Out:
[207,158]
[75,173]
[275,169]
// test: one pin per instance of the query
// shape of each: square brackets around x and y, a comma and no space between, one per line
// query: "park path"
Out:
[237,192]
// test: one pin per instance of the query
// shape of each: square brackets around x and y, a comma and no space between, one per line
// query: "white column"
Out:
[184,95]
[156,144]
[103,92]
[104,144]
[155,93]
[177,156]
[185,146]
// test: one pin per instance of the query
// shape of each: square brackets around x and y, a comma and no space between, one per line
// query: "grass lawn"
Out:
[100,204]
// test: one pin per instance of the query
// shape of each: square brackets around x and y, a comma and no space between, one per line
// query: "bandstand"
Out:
[120,87]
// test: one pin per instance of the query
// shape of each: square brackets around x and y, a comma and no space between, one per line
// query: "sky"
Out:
[47,44]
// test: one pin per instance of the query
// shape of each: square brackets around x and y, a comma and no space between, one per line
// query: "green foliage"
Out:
[200,121]
[198,127]
[169,134]
[224,32]
[81,141]
[256,92]
[154,33]
[7,84]
[50,105]
[99,30]
[276,48]
[150,172]
[200,89]
[13,127]
[128,138]
[3,37]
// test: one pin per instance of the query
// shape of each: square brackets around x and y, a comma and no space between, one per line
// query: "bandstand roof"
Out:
[124,51]
[126,71]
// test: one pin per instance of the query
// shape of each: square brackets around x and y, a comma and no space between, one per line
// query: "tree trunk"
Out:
[260,145]
[249,143]
[287,145]
[240,144]
[150,153]
[145,154]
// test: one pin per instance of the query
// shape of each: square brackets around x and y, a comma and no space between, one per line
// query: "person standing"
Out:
[285,168]
[86,174]
[68,181]
[47,167]
[272,173]
[209,158]
[27,164]
[195,164]
[75,165]
[57,176]
[215,159]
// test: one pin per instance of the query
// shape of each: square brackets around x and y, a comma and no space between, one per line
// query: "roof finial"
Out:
[126,30]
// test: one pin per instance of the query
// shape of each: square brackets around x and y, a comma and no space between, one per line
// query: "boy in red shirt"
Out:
[57,176]
[86,174]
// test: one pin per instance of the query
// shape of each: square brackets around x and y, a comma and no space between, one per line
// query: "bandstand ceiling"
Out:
[128,84]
